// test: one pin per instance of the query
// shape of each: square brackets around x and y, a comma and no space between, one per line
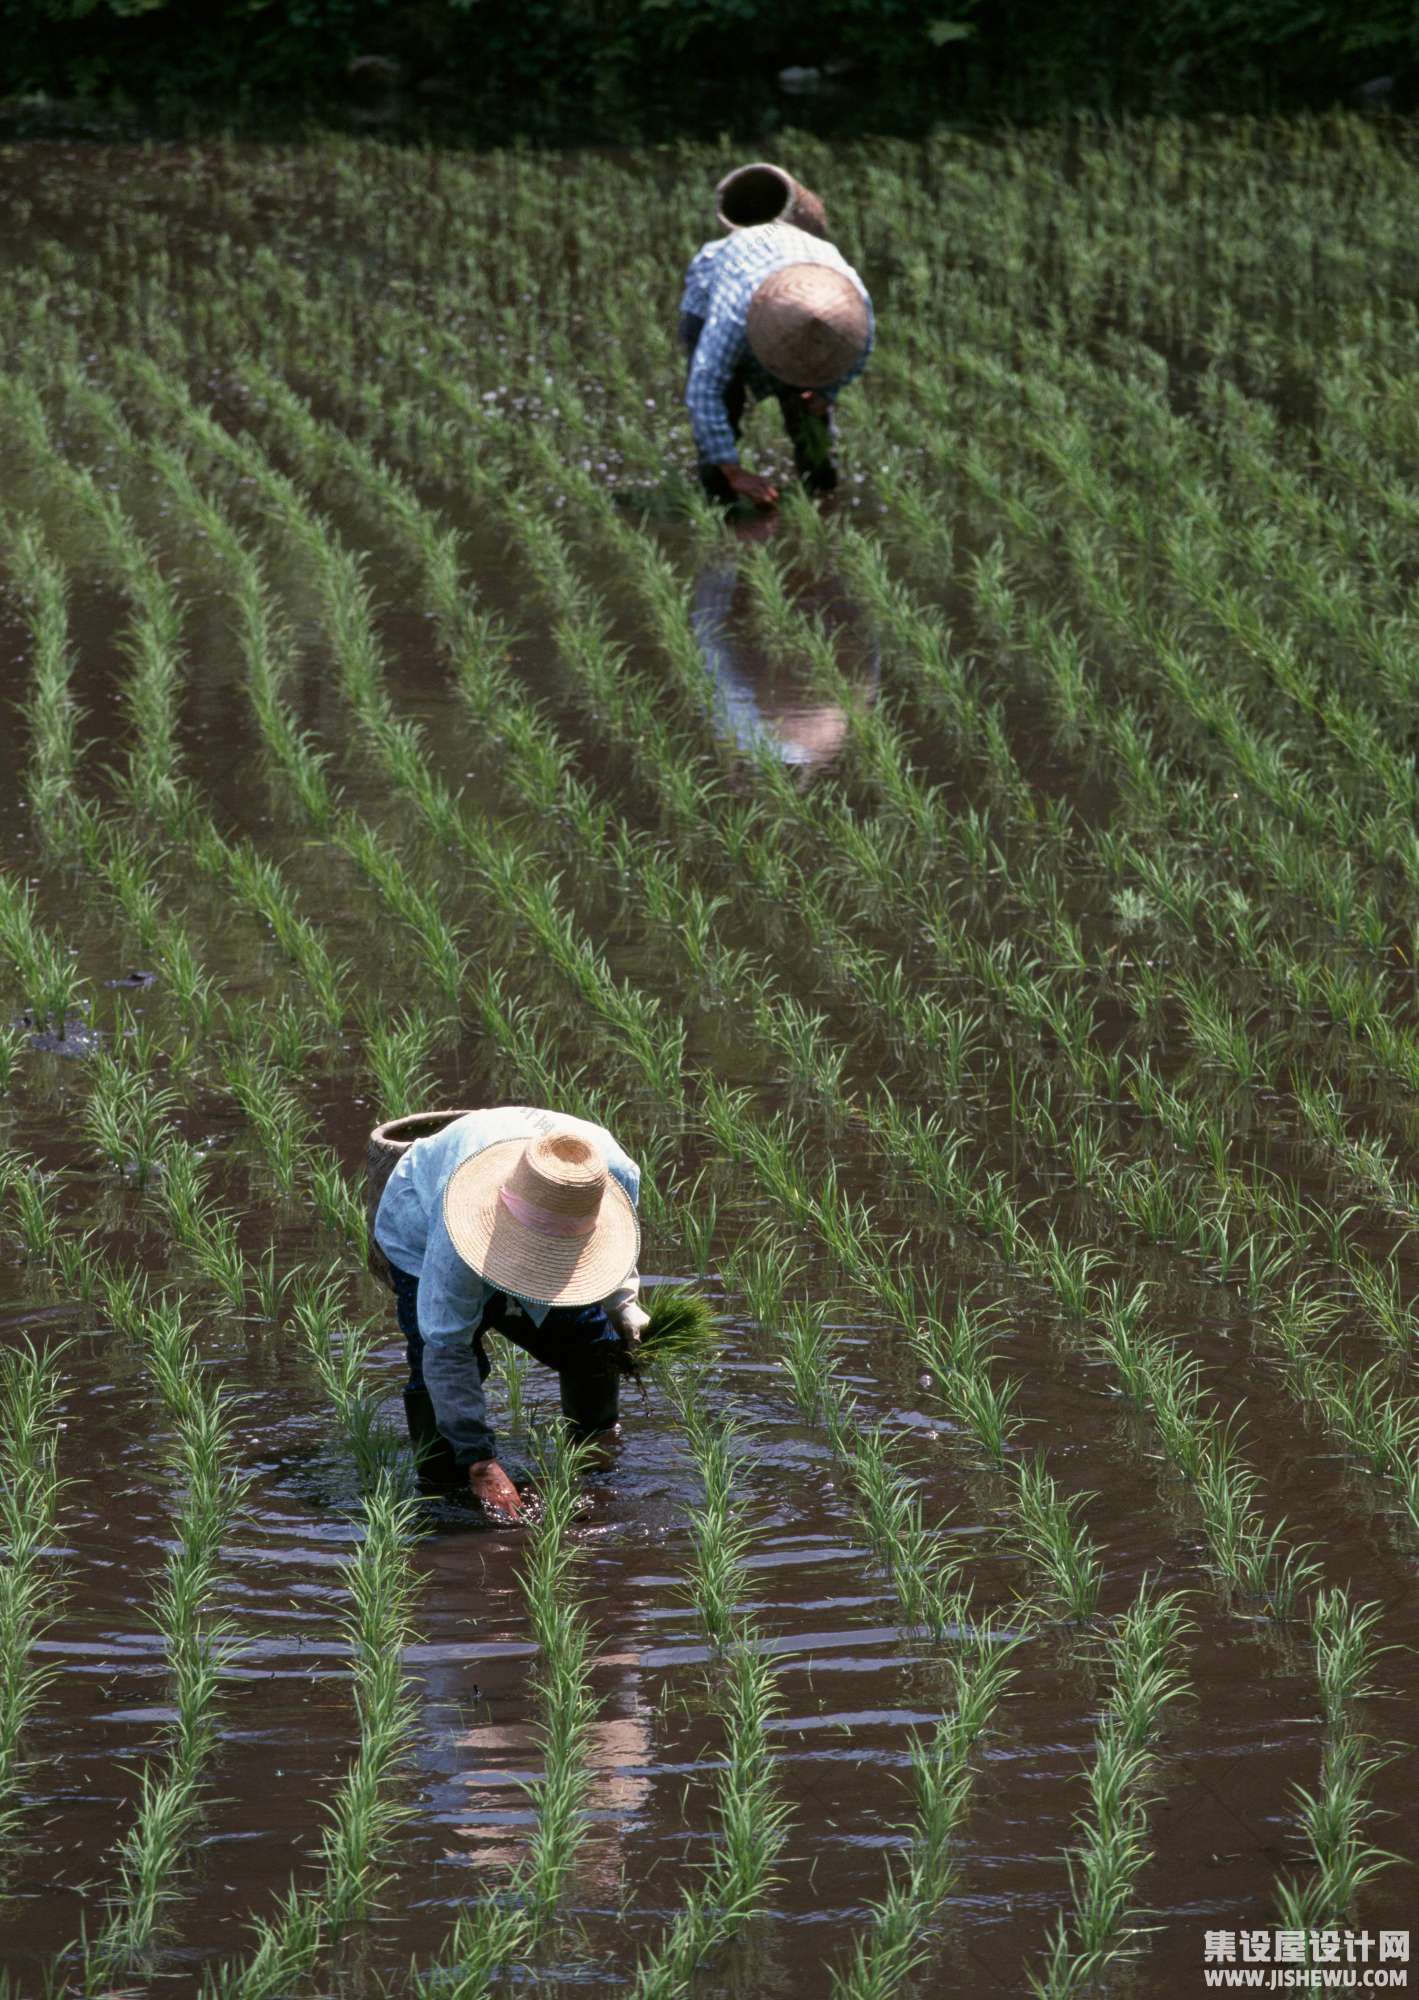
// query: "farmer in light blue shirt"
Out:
[770,310]
[522,1220]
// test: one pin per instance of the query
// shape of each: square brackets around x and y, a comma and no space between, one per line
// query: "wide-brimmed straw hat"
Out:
[543,1219]
[807,325]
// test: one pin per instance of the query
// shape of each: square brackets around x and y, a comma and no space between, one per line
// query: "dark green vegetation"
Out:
[989,910]
[617,69]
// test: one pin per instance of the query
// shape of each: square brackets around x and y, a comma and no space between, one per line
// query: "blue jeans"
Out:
[579,1342]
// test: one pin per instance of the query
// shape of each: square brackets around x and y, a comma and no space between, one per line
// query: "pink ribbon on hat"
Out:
[545,1220]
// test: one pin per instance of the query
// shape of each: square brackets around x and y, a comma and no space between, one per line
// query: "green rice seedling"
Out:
[1070,1274]
[698,1216]
[719,1578]
[219,1257]
[192,991]
[763,1275]
[340,1350]
[1345,1655]
[75,1263]
[1332,1820]
[128,1116]
[13,1043]
[807,1349]
[338,1203]
[270,1281]
[1053,1540]
[35,1210]
[126,1299]
[1379,1291]
[922,1566]
[280,1119]
[31,1389]
[52,982]
[398,1052]
[986,1409]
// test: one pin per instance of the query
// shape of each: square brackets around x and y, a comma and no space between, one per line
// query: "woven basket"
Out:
[388,1143]
[763,192]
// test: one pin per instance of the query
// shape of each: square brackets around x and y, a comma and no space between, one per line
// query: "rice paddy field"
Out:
[987,904]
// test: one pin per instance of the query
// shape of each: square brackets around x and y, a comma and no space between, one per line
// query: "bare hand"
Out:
[631,1320]
[818,404]
[490,1485]
[750,486]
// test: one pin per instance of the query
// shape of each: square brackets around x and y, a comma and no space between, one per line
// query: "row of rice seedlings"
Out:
[886,1537]
[1334,1816]
[151,1855]
[896,1942]
[1378,1428]
[751,1818]
[32,1389]
[1268,657]
[153,780]
[1113,1830]
[1279,851]
[152,642]
[311,1317]
[51,708]
[172,1801]
[1155,1372]
[1052,1521]
[511,1923]
[656,1047]
[48,974]
[1028,643]
[364,1812]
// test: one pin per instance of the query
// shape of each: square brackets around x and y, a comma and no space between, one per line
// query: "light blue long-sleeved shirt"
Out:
[409,1228]
[722,279]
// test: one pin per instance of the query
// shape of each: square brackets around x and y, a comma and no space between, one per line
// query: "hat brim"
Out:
[808,325]
[545,1269]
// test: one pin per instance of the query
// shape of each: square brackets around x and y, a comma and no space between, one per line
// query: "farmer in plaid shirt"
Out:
[770,310]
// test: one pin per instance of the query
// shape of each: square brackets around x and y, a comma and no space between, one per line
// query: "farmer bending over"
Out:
[524,1221]
[770,311]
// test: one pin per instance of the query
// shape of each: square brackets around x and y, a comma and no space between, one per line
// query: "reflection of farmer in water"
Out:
[523,1221]
[751,699]
[769,310]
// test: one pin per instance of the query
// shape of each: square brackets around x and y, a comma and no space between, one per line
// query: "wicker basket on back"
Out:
[388,1143]
[763,192]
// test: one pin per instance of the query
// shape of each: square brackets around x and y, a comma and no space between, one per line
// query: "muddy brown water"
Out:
[853,1687]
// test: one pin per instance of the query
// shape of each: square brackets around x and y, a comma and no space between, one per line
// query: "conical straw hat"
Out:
[807,325]
[543,1219]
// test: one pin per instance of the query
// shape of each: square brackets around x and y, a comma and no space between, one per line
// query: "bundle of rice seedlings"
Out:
[684,1327]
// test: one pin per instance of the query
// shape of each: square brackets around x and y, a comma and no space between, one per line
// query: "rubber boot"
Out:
[433,1454]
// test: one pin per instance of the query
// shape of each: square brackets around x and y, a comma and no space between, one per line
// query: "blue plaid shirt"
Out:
[722,279]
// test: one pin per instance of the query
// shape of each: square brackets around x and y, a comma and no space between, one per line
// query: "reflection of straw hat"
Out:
[807,325]
[543,1219]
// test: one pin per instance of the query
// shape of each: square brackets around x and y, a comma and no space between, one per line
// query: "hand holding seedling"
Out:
[750,486]
[490,1485]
